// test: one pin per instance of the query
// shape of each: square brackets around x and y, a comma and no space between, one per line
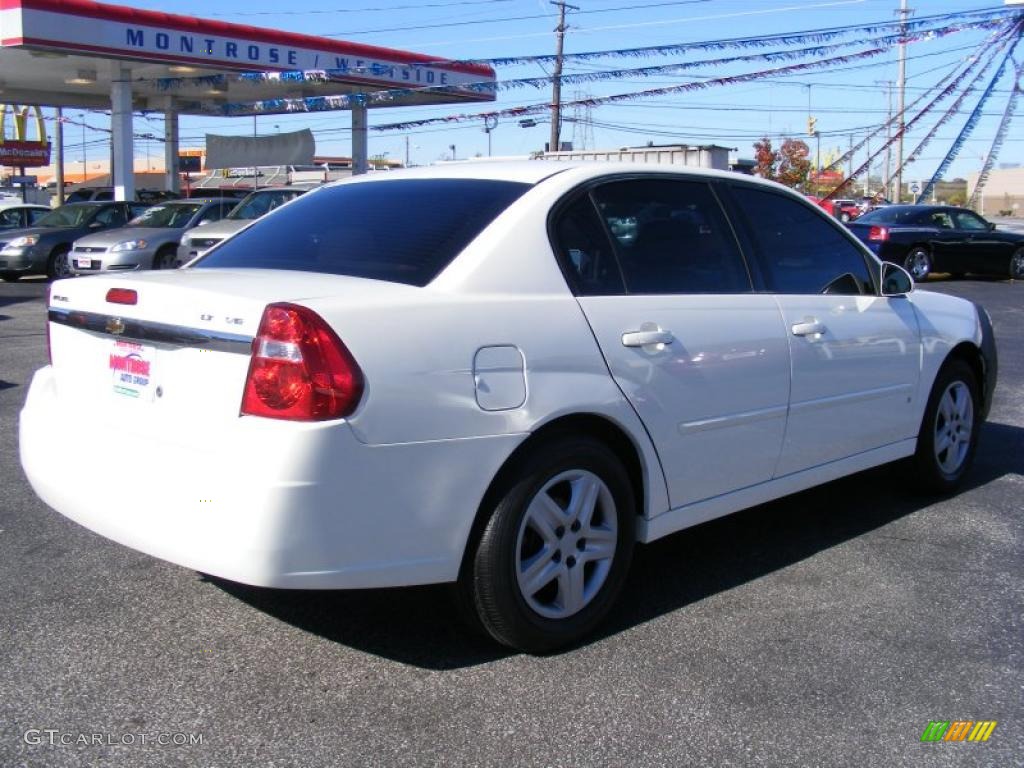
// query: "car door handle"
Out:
[809,327]
[644,338]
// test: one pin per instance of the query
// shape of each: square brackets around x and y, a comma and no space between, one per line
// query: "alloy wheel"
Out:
[918,264]
[1017,265]
[954,422]
[566,544]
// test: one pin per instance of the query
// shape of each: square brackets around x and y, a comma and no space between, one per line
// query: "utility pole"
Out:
[556,76]
[887,180]
[867,176]
[901,87]
[58,137]
[849,167]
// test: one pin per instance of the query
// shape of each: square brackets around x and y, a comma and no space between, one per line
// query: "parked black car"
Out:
[940,238]
[45,246]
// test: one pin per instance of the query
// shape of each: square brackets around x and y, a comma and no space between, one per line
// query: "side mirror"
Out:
[896,281]
[991,225]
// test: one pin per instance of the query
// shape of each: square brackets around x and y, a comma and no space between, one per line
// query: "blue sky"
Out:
[847,102]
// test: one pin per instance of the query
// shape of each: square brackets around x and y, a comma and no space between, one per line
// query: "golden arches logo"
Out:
[19,149]
[20,117]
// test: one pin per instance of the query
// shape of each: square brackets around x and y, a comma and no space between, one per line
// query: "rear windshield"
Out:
[403,231]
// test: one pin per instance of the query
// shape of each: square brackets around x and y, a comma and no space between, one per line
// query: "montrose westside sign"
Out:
[121,32]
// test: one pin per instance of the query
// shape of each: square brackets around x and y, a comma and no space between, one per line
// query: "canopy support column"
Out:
[122,142]
[172,175]
[360,154]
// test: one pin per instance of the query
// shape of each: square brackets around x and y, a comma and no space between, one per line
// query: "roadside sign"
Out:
[24,179]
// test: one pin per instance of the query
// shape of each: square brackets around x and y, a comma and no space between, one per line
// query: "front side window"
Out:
[403,231]
[971,221]
[10,218]
[800,251]
[259,203]
[939,219]
[71,215]
[111,217]
[671,236]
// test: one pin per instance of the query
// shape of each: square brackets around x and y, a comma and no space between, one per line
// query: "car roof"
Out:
[535,171]
[4,205]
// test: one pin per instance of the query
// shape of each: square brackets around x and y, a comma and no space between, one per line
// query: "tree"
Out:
[794,162]
[766,158]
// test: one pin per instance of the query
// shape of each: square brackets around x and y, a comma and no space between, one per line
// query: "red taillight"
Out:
[878,234]
[122,296]
[300,370]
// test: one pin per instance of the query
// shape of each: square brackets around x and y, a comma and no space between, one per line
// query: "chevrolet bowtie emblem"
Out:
[115,325]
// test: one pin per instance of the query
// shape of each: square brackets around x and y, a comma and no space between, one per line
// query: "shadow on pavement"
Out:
[419,626]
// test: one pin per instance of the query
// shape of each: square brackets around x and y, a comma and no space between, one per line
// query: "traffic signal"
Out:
[812,123]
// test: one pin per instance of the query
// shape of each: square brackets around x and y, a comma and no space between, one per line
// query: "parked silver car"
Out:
[253,206]
[147,241]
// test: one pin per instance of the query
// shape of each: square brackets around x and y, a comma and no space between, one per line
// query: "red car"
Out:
[843,209]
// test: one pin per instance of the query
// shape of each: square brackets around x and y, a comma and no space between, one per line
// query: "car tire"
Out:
[10,277]
[918,263]
[165,258]
[58,266]
[1017,265]
[554,553]
[948,438]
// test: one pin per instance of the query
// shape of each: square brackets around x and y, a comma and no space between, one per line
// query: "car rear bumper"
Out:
[267,503]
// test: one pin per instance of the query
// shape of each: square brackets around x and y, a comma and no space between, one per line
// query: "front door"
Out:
[703,360]
[855,355]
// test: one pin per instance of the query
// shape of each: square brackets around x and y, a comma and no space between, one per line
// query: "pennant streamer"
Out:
[997,142]
[699,85]
[942,96]
[325,76]
[972,121]
[952,111]
[810,36]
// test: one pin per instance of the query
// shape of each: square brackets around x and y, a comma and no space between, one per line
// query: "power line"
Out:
[470,22]
[414,6]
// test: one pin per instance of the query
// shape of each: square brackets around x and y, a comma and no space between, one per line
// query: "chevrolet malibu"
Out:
[149,241]
[475,374]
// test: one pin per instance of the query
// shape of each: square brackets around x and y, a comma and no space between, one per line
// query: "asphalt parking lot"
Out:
[824,629]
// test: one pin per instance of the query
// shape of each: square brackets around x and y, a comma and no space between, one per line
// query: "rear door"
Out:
[702,358]
[855,355]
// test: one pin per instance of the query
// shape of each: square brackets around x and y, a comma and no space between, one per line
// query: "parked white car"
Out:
[476,373]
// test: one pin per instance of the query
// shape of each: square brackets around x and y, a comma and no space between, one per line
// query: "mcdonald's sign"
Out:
[20,150]
[958,730]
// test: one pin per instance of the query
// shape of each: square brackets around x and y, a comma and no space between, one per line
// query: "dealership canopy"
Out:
[84,54]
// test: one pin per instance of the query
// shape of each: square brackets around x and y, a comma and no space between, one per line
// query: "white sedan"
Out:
[502,375]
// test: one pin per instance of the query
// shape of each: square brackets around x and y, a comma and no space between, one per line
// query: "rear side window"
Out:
[586,251]
[403,231]
[671,237]
[800,251]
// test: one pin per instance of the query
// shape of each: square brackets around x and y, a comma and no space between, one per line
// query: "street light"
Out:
[490,123]
[452,148]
